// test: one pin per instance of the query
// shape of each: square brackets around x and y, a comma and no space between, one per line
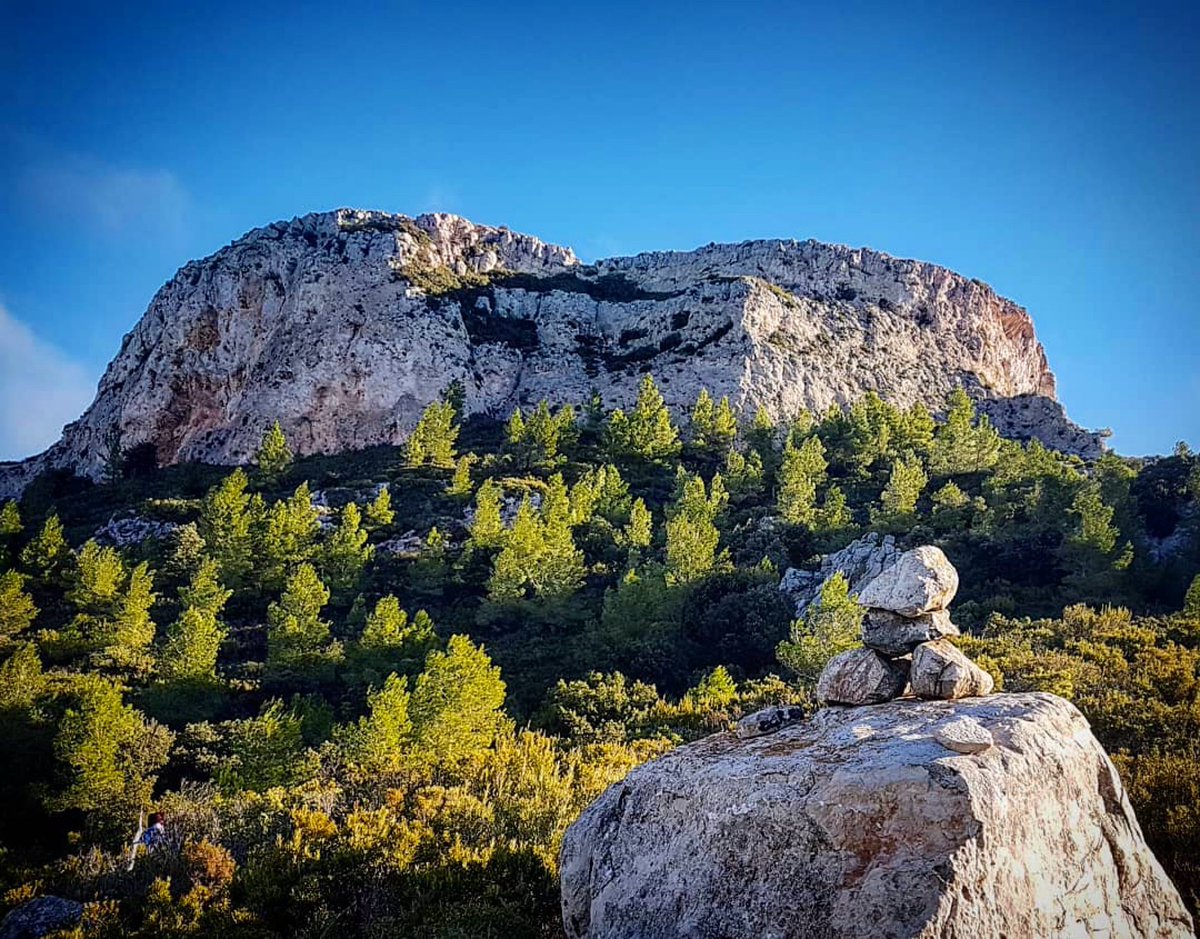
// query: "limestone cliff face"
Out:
[343,325]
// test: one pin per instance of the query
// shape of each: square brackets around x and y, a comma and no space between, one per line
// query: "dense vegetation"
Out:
[370,692]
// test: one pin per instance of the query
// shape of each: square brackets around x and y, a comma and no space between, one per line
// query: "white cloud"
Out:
[41,389]
[112,199]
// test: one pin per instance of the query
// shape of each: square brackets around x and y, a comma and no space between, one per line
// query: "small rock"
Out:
[768,720]
[40,917]
[893,634]
[922,580]
[861,676]
[964,735]
[939,670]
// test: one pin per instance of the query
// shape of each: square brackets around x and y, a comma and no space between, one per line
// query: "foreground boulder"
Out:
[859,823]
[40,917]
[861,676]
[922,580]
[940,670]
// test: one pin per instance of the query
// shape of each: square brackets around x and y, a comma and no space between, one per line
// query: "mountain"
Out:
[343,325]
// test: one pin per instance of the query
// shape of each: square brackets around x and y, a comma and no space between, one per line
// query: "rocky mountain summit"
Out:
[343,325]
[927,807]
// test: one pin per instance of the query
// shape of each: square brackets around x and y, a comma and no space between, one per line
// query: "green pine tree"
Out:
[646,433]
[800,474]
[487,526]
[297,637]
[898,502]
[194,639]
[227,518]
[456,703]
[379,512]
[692,534]
[830,625]
[432,440]
[381,739]
[48,556]
[274,457]
[963,444]
[346,552]
[17,610]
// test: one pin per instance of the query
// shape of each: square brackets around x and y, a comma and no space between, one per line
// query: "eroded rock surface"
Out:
[859,824]
[940,670]
[893,634]
[861,676]
[343,325]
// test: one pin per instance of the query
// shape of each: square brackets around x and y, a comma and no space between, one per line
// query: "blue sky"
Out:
[1050,150]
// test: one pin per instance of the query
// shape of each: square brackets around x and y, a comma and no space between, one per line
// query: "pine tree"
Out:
[487,526]
[380,740]
[22,680]
[713,426]
[379,512]
[640,530]
[800,474]
[830,626]
[108,755]
[274,457]
[194,640]
[762,435]
[898,502]
[835,513]
[10,529]
[296,635]
[48,555]
[460,483]
[963,444]
[692,534]
[539,557]
[391,641]
[717,689]
[432,440]
[226,520]
[646,433]
[133,629]
[456,702]
[346,552]
[1095,529]
[288,536]
[17,610]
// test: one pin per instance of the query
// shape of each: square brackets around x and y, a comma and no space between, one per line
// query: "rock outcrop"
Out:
[859,562]
[872,822]
[343,325]
[41,917]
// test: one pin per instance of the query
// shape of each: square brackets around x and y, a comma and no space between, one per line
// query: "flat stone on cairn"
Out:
[893,634]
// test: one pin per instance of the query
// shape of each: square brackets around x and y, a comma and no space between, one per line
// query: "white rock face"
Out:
[326,323]
[859,823]
[922,580]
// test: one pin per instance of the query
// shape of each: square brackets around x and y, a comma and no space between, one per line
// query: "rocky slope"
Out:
[993,816]
[344,325]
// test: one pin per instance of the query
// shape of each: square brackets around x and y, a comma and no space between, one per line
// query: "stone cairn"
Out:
[905,651]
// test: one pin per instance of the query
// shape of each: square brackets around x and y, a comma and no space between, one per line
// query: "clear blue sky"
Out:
[1050,150]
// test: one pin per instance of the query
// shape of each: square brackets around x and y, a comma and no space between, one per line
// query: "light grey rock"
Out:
[861,676]
[939,670]
[964,735]
[893,634]
[858,823]
[133,530]
[768,720]
[330,324]
[859,562]
[922,580]
[40,917]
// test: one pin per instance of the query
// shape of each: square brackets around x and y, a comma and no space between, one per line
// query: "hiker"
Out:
[154,833]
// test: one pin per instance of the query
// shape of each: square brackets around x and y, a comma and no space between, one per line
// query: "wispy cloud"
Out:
[41,389]
[109,198]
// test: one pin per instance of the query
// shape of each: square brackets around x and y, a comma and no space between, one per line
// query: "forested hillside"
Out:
[370,691]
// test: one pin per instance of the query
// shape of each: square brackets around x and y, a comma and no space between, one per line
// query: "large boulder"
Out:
[921,580]
[860,824]
[861,676]
[40,917]
[939,670]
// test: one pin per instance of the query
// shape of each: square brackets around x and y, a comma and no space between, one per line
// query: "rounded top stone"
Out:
[922,580]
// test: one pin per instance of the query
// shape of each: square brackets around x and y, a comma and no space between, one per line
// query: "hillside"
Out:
[343,326]
[372,690]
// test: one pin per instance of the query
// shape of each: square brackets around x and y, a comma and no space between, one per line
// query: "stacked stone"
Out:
[904,632]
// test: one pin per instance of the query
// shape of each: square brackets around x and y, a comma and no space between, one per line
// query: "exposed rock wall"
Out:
[344,325]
